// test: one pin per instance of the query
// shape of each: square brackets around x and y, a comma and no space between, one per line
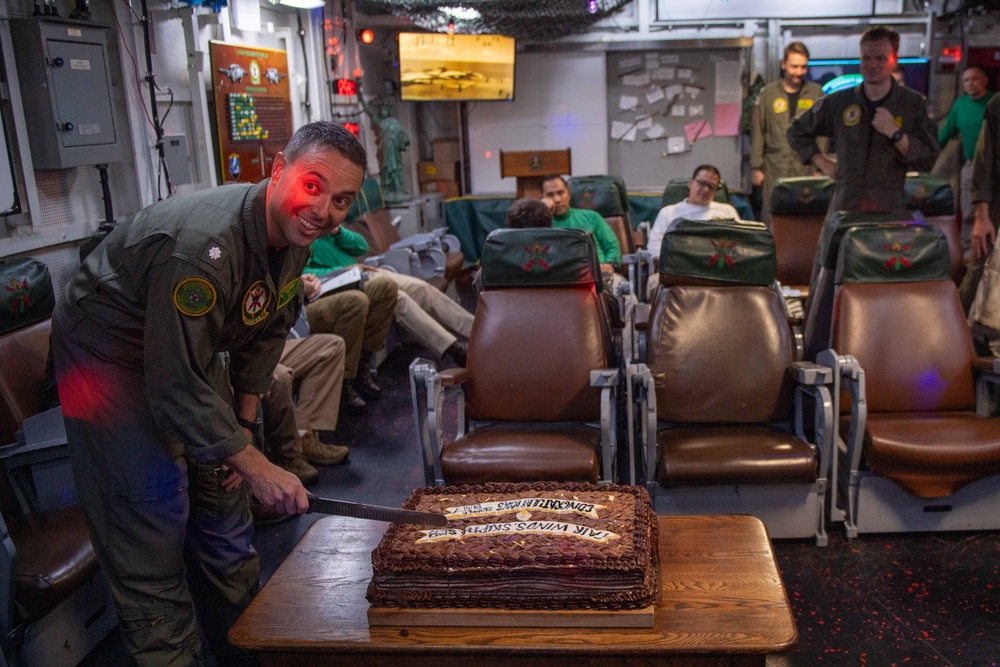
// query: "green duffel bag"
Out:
[804,195]
[731,252]
[27,295]
[539,257]
[929,194]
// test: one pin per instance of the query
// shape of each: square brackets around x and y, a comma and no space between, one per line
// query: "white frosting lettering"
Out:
[558,505]
[519,528]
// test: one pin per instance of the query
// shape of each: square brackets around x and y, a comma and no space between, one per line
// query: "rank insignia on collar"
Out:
[536,257]
[288,291]
[194,296]
[255,303]
[214,253]
[723,252]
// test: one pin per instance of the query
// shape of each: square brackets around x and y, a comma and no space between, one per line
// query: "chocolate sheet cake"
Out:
[522,546]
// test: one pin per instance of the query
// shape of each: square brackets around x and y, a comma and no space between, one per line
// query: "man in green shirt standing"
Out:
[964,120]
[609,253]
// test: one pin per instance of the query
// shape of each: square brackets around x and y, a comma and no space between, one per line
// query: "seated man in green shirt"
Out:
[422,309]
[964,121]
[609,253]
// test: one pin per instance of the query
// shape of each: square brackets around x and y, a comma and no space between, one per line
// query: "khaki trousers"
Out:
[427,313]
[361,317]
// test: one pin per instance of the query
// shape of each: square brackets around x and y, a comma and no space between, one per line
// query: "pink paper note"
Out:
[727,120]
[698,129]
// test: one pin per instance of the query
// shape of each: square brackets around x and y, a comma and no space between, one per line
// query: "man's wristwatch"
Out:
[252,426]
[897,135]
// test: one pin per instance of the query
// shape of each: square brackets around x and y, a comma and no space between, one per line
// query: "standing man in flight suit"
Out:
[778,104]
[880,130]
[163,342]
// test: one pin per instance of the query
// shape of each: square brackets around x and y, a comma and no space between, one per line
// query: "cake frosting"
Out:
[522,546]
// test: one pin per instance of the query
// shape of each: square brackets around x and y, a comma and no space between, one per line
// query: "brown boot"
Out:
[299,467]
[319,453]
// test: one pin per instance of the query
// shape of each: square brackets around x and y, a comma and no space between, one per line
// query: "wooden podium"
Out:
[530,167]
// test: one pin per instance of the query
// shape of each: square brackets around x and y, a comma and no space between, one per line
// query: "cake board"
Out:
[513,618]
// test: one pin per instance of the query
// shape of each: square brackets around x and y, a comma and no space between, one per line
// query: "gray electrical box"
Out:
[62,65]
[177,158]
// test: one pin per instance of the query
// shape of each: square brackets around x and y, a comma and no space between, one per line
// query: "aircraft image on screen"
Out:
[456,67]
[440,82]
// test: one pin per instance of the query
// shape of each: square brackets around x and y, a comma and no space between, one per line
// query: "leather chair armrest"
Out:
[988,365]
[452,377]
[605,377]
[642,311]
[806,372]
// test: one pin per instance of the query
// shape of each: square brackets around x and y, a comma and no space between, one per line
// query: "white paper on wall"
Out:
[639,79]
[675,145]
[727,82]
[628,102]
[654,94]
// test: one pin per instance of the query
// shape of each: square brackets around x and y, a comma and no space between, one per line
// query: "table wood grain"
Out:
[723,603]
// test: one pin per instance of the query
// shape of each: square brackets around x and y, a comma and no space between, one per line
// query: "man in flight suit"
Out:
[163,342]
[777,105]
[880,130]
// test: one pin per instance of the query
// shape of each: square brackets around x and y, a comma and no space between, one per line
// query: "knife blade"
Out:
[373,512]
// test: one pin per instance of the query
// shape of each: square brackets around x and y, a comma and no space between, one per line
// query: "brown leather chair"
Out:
[56,604]
[607,196]
[918,454]
[798,208]
[721,393]
[538,398]
[934,198]
[437,258]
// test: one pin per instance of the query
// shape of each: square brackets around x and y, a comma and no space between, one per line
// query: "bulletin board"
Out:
[670,110]
[253,109]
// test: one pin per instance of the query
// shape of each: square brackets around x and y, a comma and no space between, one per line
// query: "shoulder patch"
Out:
[816,105]
[852,115]
[214,253]
[255,303]
[288,291]
[194,296]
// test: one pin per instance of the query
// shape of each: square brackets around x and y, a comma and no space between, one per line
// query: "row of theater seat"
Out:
[798,208]
[721,415]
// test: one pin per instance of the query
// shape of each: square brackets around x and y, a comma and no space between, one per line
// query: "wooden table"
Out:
[723,603]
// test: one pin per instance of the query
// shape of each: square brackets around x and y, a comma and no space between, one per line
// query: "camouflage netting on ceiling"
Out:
[528,20]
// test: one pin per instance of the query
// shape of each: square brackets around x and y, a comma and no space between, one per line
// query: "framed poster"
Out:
[253,109]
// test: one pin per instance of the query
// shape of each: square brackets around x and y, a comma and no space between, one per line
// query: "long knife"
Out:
[373,512]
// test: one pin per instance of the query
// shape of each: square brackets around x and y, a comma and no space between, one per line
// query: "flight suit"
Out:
[769,146]
[870,171]
[180,306]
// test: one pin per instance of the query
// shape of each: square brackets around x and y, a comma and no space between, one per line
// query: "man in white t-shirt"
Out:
[699,205]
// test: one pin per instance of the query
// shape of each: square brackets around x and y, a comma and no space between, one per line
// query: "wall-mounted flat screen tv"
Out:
[437,67]
[840,73]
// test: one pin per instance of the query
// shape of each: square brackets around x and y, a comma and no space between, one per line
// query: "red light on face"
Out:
[366,36]
[352,128]
[347,87]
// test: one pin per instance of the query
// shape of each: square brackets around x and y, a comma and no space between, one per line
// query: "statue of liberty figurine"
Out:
[392,140]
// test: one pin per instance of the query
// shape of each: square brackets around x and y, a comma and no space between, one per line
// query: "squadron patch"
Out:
[194,296]
[852,115]
[898,120]
[287,292]
[804,105]
[780,105]
[255,303]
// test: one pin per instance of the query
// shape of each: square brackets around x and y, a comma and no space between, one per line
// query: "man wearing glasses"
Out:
[881,130]
[700,204]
